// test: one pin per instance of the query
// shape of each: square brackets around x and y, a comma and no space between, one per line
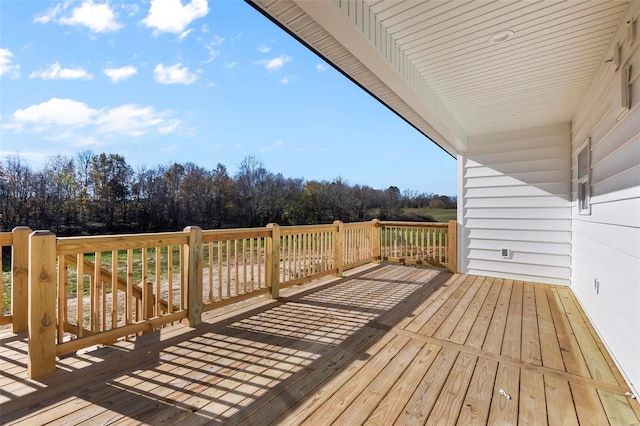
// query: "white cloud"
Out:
[6,65]
[238,37]
[70,119]
[184,34]
[277,144]
[49,15]
[55,112]
[275,64]
[175,74]
[288,78]
[321,67]
[132,120]
[56,72]
[98,17]
[213,48]
[120,74]
[170,16]
[132,9]
[264,49]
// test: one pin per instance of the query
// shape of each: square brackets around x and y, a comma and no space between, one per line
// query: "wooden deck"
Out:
[386,344]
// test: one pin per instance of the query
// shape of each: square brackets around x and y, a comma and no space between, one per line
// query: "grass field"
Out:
[440,215]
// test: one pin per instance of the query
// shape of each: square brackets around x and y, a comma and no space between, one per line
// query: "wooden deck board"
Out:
[559,411]
[506,395]
[386,345]
[390,408]
[475,409]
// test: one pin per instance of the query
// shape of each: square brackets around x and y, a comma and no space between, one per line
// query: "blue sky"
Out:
[166,81]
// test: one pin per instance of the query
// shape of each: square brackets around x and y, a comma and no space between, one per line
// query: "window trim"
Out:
[583,197]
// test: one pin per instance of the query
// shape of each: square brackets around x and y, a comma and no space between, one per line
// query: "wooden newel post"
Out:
[376,240]
[148,301]
[194,262]
[20,279]
[273,261]
[452,246]
[338,252]
[42,303]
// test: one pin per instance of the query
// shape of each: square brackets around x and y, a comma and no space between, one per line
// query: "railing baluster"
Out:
[296,255]
[170,278]
[183,298]
[228,269]
[103,310]
[244,266]
[261,257]
[62,284]
[97,279]
[220,270]
[79,294]
[251,282]
[114,289]
[210,266]
[236,262]
[129,296]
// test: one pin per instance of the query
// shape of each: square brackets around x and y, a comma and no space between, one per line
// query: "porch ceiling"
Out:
[432,62]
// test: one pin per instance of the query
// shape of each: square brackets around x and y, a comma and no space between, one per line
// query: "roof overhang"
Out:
[438,66]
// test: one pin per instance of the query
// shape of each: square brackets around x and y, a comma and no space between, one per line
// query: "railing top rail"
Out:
[234,234]
[358,225]
[74,245]
[414,224]
[6,239]
[291,230]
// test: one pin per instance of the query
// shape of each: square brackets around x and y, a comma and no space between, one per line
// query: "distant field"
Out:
[440,215]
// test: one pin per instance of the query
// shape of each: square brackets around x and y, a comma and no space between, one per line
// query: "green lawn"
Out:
[440,215]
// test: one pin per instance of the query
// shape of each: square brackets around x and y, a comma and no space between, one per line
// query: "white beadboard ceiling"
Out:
[431,60]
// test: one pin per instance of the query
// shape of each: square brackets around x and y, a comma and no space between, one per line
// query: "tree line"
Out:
[101,193]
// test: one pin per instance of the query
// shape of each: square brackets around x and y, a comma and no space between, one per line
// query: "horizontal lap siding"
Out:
[606,243]
[518,198]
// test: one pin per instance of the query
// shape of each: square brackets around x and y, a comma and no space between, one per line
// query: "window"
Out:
[584,188]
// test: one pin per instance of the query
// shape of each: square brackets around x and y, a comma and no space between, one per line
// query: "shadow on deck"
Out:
[226,368]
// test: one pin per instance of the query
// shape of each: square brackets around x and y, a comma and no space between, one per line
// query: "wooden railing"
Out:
[14,247]
[6,247]
[359,241]
[307,252]
[234,265]
[419,243]
[85,291]
[116,286]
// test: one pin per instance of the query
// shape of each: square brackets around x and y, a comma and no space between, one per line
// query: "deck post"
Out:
[148,304]
[452,247]
[338,251]
[194,263]
[273,261]
[42,303]
[376,240]
[20,279]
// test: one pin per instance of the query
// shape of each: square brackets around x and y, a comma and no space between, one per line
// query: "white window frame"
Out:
[584,178]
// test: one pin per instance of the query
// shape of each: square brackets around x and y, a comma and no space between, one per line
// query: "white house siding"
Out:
[515,195]
[606,243]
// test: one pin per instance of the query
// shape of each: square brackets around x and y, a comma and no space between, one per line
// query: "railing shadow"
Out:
[225,370]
